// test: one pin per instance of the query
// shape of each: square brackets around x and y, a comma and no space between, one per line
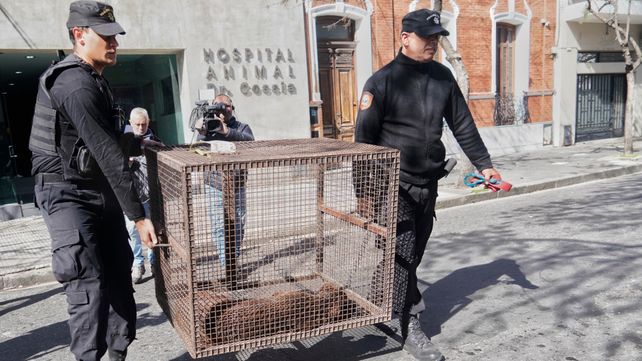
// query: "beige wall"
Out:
[190,29]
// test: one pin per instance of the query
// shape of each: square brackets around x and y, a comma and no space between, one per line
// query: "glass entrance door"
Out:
[148,81]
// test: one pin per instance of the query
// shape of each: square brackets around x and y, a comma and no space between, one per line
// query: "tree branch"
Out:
[623,36]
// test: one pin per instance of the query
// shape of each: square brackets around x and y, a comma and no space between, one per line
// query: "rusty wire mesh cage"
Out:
[267,246]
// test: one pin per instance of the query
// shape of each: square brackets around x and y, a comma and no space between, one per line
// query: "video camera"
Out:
[208,113]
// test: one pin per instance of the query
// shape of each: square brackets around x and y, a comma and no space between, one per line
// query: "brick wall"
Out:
[482,110]
[474,44]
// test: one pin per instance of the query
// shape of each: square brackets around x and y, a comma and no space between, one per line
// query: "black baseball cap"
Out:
[95,15]
[423,22]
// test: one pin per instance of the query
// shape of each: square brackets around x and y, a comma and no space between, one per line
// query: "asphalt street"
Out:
[552,275]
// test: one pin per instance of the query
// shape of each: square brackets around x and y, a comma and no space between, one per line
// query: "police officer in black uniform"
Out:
[83,185]
[402,106]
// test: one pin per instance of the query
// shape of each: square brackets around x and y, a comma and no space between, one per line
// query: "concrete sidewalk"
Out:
[550,167]
[25,254]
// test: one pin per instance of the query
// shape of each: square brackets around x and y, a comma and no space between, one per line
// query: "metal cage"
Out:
[270,244]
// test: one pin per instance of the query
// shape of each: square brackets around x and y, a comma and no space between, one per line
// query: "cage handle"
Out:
[160,235]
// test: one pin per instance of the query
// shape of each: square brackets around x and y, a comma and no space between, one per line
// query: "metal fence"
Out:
[265,246]
[601,99]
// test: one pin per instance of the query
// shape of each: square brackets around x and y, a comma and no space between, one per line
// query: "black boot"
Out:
[418,344]
[117,355]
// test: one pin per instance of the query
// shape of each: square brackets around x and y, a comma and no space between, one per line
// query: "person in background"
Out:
[139,126]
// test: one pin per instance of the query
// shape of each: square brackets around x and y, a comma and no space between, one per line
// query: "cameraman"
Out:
[230,129]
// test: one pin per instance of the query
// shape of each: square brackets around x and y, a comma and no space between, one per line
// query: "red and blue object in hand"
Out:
[475,179]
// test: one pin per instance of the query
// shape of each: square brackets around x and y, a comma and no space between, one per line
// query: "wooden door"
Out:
[505,58]
[338,90]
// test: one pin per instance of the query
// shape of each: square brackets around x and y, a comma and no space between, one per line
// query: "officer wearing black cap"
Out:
[403,106]
[83,184]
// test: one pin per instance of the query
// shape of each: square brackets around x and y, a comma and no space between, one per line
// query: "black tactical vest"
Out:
[44,132]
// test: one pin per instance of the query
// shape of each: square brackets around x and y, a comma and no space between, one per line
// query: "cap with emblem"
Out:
[95,15]
[424,23]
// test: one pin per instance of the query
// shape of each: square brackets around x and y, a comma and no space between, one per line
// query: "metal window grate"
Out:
[264,246]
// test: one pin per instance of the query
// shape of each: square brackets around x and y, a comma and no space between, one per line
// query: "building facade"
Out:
[294,68]
[504,45]
[589,74]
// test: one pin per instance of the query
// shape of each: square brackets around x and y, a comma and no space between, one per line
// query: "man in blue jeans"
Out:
[139,125]
[230,129]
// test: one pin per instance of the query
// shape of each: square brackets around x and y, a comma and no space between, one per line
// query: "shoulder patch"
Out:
[366,100]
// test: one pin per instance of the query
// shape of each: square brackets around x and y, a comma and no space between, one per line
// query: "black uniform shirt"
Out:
[84,101]
[402,107]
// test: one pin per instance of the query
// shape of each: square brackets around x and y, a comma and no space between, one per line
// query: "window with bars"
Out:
[600,57]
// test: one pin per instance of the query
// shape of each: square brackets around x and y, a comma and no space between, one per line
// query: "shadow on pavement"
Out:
[37,342]
[450,294]
[356,344]
[21,302]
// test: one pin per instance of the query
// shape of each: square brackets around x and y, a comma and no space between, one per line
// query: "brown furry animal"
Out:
[288,311]
[212,306]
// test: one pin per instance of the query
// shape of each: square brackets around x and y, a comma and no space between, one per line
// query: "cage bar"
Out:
[276,242]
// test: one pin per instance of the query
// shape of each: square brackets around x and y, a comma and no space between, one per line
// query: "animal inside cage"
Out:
[270,244]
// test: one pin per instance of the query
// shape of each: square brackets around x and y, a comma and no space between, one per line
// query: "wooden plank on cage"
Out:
[355,297]
[356,220]
[260,284]
[229,221]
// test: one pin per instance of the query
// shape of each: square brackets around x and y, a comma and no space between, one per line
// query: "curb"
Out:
[530,188]
[26,278]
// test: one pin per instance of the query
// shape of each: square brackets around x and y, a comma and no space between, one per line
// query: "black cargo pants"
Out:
[92,259]
[415,215]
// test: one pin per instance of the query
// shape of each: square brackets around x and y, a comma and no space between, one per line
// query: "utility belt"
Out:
[48,178]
